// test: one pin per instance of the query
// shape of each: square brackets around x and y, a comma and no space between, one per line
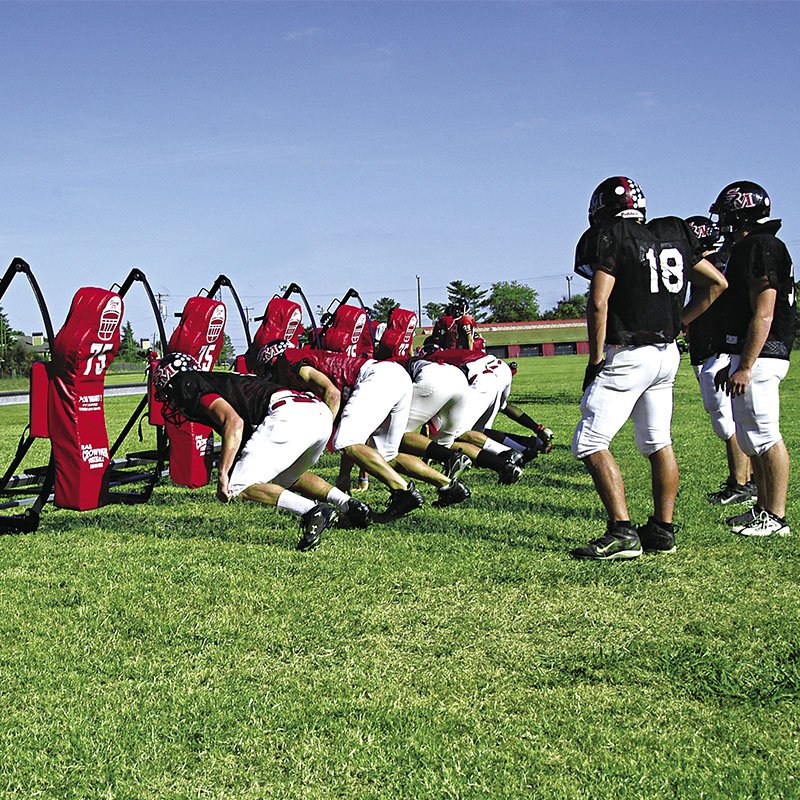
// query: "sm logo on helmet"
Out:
[109,319]
[216,324]
[739,199]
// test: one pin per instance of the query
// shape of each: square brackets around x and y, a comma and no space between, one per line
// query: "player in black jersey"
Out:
[707,356]
[638,272]
[759,312]
[271,436]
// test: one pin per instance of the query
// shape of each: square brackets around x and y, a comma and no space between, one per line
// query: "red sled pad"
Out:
[348,332]
[399,334]
[200,331]
[282,320]
[82,352]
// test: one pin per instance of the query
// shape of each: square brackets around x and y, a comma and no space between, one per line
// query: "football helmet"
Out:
[429,346]
[271,351]
[459,307]
[706,231]
[169,366]
[617,197]
[740,205]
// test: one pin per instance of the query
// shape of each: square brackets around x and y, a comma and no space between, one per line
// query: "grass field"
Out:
[184,649]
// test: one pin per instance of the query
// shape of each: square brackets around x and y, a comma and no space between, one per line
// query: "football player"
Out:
[759,314]
[489,383]
[370,401]
[270,437]
[638,273]
[707,357]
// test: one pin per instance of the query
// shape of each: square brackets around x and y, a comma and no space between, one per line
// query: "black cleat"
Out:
[458,464]
[454,492]
[509,473]
[313,522]
[619,542]
[512,457]
[402,502]
[357,515]
[656,539]
[732,492]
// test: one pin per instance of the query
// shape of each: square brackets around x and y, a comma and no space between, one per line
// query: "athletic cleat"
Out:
[402,502]
[454,492]
[739,521]
[765,524]
[512,457]
[732,492]
[458,464]
[509,473]
[656,539]
[619,542]
[313,522]
[357,515]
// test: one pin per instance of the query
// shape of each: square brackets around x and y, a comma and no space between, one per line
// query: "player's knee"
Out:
[722,425]
[756,443]
[650,444]
[588,441]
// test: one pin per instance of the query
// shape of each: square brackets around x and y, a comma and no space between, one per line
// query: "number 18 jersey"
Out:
[650,264]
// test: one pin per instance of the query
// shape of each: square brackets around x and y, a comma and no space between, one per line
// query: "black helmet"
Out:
[169,366]
[706,231]
[271,351]
[617,197]
[740,205]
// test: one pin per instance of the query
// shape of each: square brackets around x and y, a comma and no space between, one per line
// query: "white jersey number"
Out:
[97,361]
[666,270]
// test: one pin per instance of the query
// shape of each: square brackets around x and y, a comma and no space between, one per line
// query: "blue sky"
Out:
[362,144]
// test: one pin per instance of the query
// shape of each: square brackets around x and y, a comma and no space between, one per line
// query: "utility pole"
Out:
[569,286]
[419,304]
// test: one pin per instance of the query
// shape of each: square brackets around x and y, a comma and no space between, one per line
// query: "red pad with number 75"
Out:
[82,351]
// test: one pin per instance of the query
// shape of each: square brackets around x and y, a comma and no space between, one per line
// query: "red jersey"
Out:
[465,329]
[444,332]
[457,356]
[342,370]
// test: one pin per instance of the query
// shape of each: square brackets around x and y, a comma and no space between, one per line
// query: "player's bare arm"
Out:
[231,425]
[322,386]
[708,283]
[597,313]
[762,300]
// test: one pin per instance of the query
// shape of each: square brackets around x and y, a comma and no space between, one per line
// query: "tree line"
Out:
[504,301]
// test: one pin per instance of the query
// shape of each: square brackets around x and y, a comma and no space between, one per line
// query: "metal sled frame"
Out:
[20,489]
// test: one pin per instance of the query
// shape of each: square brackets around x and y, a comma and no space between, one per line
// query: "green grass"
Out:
[184,649]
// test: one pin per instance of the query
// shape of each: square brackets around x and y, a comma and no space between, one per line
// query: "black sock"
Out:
[438,452]
[490,461]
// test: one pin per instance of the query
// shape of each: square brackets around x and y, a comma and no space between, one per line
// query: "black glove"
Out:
[592,371]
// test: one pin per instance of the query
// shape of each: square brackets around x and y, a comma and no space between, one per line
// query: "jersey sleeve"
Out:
[765,258]
[596,249]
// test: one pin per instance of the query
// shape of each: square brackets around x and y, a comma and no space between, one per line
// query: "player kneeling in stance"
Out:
[370,402]
[635,310]
[270,437]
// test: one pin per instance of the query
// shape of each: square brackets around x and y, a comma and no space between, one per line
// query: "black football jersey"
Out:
[706,334]
[650,264]
[759,255]
[248,395]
